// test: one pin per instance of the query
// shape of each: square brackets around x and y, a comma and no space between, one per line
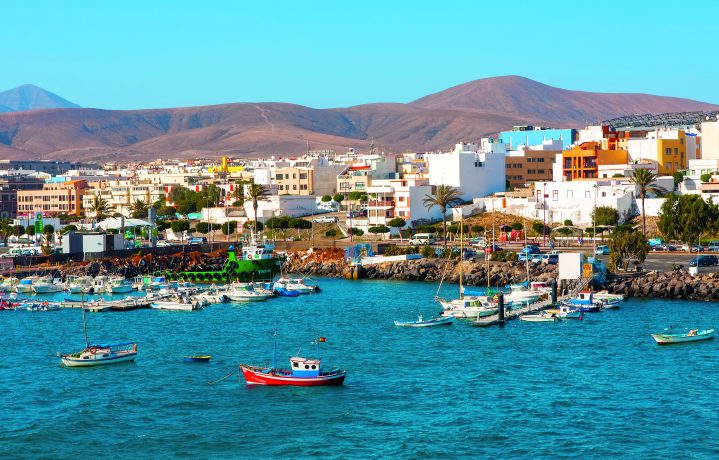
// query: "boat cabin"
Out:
[257,249]
[305,367]
[539,286]
[585,297]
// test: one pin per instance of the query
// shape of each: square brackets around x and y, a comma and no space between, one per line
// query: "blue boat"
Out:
[283,292]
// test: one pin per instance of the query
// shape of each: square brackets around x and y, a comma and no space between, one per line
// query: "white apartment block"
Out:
[475,174]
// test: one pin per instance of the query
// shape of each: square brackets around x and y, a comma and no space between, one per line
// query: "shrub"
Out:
[517,226]
[180,225]
[379,229]
[228,228]
[331,233]
[356,231]
[427,251]
[202,227]
[326,198]
[397,222]
[568,222]
[706,177]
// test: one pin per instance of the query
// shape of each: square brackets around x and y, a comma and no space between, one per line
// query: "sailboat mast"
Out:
[524,227]
[274,349]
[461,255]
[84,323]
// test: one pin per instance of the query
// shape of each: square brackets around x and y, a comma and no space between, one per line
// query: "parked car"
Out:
[197,240]
[602,250]
[704,261]
[325,219]
[698,248]
[664,247]
[713,246]
[422,238]
[530,249]
[549,258]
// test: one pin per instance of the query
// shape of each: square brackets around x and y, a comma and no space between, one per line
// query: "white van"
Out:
[15,252]
[422,238]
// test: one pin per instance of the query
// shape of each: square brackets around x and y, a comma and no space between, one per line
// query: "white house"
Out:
[474,173]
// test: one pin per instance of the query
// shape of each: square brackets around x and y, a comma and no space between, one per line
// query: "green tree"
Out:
[165,211]
[539,228]
[605,216]
[31,230]
[202,227]
[397,222]
[444,197]
[48,231]
[626,246]
[678,178]
[477,229]
[568,223]
[617,175]
[19,230]
[707,177]
[6,229]
[100,207]
[228,228]
[326,198]
[338,198]
[179,226]
[331,233]
[250,224]
[138,209]
[686,217]
[517,226]
[645,182]
[379,229]
[356,231]
[256,193]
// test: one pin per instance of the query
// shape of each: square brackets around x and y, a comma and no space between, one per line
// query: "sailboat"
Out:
[471,307]
[101,353]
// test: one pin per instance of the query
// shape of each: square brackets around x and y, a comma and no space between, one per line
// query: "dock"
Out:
[494,320]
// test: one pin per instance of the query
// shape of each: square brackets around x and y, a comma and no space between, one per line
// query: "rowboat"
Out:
[693,335]
[421,322]
[542,317]
[197,359]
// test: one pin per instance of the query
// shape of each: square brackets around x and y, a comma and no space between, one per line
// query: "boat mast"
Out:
[461,255]
[274,348]
[524,227]
[84,323]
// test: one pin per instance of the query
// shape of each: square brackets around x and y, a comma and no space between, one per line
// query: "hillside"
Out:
[465,112]
[31,97]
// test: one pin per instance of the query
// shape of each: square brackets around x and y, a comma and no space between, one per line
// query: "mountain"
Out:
[465,112]
[31,97]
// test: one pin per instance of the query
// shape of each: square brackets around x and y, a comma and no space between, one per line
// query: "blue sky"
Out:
[126,55]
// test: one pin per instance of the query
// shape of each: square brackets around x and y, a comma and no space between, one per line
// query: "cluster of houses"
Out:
[536,172]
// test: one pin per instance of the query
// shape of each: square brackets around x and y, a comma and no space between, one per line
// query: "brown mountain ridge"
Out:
[465,112]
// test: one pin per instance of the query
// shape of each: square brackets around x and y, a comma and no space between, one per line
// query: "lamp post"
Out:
[594,220]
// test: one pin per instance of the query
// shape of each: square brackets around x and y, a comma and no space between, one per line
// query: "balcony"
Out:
[380,204]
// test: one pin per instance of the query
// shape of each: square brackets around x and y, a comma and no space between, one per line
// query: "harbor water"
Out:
[597,388]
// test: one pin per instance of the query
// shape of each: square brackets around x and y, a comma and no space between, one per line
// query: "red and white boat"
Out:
[305,372]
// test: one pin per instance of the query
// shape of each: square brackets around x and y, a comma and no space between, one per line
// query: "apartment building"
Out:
[9,186]
[473,172]
[63,198]
[531,164]
[121,195]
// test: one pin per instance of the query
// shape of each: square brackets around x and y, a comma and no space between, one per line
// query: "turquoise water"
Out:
[593,389]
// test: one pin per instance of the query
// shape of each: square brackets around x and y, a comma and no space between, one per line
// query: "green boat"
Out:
[257,262]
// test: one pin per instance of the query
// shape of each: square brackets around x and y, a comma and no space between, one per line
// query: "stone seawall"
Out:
[669,285]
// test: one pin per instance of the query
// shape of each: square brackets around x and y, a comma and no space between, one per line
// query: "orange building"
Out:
[61,198]
[582,161]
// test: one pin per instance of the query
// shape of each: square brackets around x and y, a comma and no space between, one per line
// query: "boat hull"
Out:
[197,359]
[538,319]
[668,339]
[444,321]
[256,376]
[75,362]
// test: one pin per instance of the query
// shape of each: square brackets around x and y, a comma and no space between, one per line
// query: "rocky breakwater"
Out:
[331,263]
[140,264]
[671,285]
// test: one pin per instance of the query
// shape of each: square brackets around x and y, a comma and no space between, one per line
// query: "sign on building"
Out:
[38,223]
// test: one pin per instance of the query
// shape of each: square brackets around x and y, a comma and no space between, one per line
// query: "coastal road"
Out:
[663,261]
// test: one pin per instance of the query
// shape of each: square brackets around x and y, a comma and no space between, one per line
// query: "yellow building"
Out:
[582,161]
[672,153]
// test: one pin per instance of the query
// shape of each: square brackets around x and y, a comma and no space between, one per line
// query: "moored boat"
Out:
[9,284]
[197,359]
[119,285]
[101,353]
[246,293]
[296,285]
[78,284]
[421,322]
[25,286]
[693,335]
[542,317]
[176,303]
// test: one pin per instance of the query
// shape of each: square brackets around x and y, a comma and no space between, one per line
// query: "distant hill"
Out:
[464,112]
[31,97]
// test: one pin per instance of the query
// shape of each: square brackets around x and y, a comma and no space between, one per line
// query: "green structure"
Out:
[257,263]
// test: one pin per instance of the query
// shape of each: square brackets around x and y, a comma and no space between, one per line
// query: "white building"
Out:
[710,140]
[402,198]
[282,205]
[475,174]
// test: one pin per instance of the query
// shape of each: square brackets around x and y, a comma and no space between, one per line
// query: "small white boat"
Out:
[9,284]
[100,284]
[119,285]
[520,295]
[210,297]
[296,284]
[176,303]
[78,284]
[46,285]
[25,286]
[693,335]
[246,293]
[566,312]
[100,354]
[468,307]
[607,297]
[421,322]
[542,317]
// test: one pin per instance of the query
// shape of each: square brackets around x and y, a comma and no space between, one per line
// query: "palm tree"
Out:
[256,193]
[138,208]
[445,196]
[100,207]
[645,182]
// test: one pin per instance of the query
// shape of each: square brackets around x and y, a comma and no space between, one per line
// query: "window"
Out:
[295,365]
[555,195]
[667,151]
[279,177]
[604,194]
[540,160]
[401,198]
[307,366]
[294,175]
[587,194]
[303,175]
[676,151]
[294,187]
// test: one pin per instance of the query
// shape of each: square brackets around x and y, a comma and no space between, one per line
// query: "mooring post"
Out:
[500,312]
[554,292]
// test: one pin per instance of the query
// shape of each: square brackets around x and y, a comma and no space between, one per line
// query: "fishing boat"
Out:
[25,286]
[100,284]
[586,303]
[566,312]
[78,284]
[9,284]
[542,317]
[210,297]
[141,283]
[421,322]
[46,285]
[197,359]
[119,285]
[98,354]
[302,372]
[693,335]
[470,307]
